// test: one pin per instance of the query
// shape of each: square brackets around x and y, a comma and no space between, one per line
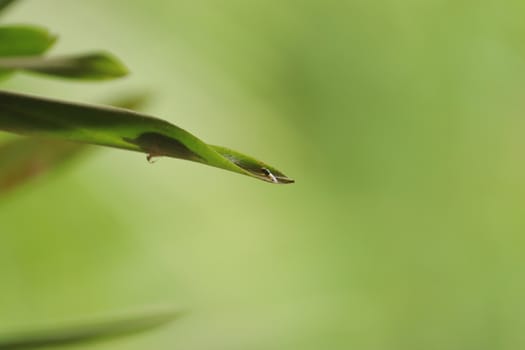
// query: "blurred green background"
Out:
[402,122]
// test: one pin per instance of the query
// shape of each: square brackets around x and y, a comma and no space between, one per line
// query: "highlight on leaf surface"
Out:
[86,333]
[94,66]
[124,129]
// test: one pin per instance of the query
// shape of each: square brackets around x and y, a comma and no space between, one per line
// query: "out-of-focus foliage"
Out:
[402,120]
[86,333]
[26,158]
[23,40]
[5,3]
[94,66]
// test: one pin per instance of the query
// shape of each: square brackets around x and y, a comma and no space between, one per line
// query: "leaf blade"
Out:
[124,129]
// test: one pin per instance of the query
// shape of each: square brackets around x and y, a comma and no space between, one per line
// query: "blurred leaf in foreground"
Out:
[23,40]
[95,66]
[87,333]
[124,129]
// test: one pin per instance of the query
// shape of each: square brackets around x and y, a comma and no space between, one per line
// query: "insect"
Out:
[269,174]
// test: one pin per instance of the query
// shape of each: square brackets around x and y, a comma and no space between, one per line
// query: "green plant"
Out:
[58,131]
[22,49]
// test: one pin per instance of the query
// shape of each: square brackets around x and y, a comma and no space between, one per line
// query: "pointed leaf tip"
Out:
[101,65]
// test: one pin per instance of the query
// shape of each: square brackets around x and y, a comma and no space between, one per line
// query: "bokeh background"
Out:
[402,122]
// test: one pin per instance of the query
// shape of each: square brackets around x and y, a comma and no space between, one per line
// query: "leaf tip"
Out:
[110,65]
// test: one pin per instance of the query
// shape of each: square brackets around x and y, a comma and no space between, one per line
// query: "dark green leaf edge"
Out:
[86,333]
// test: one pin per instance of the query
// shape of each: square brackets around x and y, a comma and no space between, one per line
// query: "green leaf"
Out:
[95,66]
[21,40]
[124,129]
[23,159]
[96,331]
